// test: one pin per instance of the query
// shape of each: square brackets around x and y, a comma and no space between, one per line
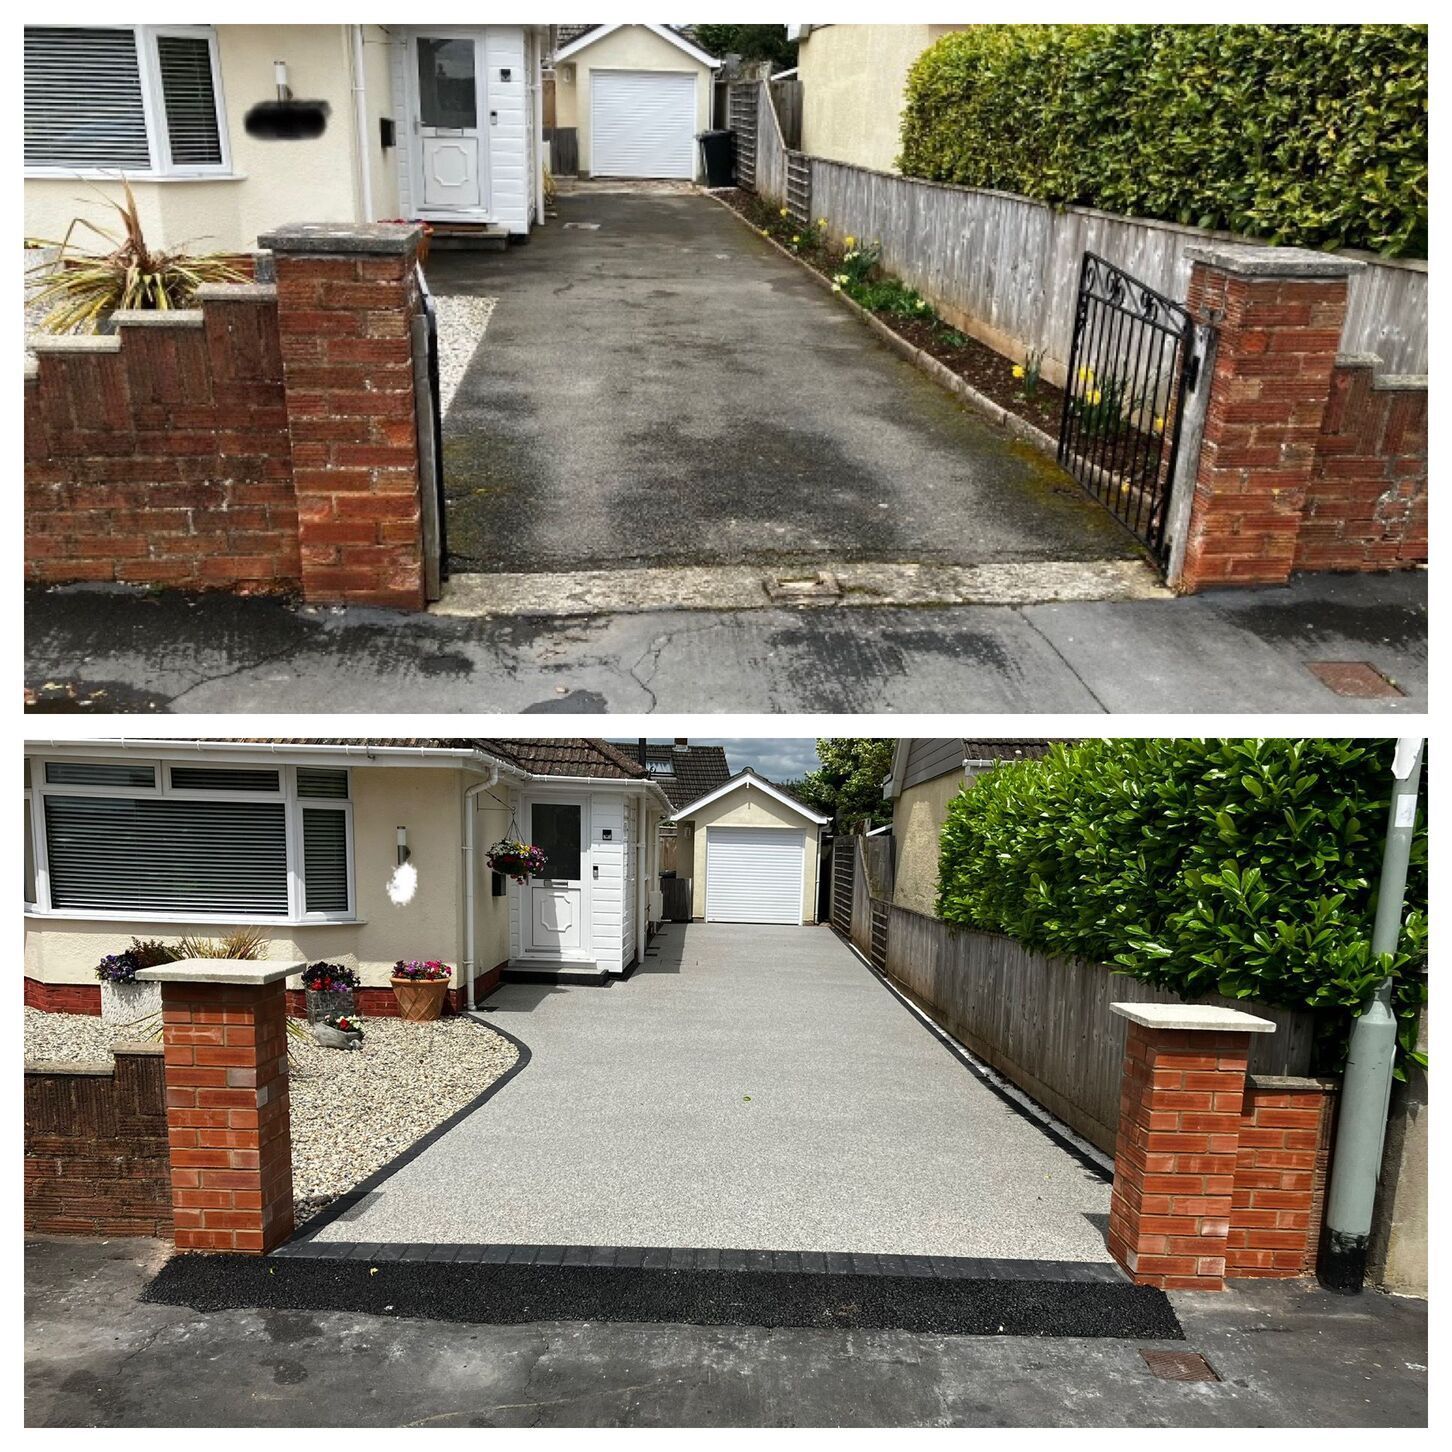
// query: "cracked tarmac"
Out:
[99,649]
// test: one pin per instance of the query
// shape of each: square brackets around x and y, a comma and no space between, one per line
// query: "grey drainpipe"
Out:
[471,966]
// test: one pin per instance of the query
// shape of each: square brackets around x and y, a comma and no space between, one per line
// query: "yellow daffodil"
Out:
[836,287]
[796,238]
[849,241]
[1159,425]
[1094,395]
[822,222]
[1018,370]
[784,212]
[1086,375]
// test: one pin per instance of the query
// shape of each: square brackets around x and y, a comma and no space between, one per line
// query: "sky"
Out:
[778,758]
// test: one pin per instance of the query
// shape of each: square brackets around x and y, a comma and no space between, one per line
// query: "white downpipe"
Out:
[539,150]
[471,966]
[360,128]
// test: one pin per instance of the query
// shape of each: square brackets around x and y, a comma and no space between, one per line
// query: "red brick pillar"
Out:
[1277,312]
[225,1040]
[1179,1133]
[346,299]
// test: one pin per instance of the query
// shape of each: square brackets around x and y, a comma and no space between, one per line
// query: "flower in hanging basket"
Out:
[421,968]
[329,978]
[118,967]
[518,860]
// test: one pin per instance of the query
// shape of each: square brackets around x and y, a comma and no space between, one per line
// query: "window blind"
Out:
[325,860]
[100,773]
[322,781]
[224,779]
[83,104]
[166,855]
[185,63]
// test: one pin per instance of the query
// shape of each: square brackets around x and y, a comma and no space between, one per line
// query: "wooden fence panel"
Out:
[1005,268]
[786,98]
[675,895]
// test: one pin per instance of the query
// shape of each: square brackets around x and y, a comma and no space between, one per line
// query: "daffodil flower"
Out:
[1159,425]
[1018,370]
[1086,375]
[1095,395]
[836,287]
[821,222]
[784,212]
[849,241]
[796,238]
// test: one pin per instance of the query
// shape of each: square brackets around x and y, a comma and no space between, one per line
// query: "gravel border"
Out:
[462,320]
[352,1111]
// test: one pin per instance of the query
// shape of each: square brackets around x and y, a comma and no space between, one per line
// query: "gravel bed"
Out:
[462,321]
[352,1111]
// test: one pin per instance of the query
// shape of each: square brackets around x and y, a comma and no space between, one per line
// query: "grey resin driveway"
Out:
[747,1088]
[659,386]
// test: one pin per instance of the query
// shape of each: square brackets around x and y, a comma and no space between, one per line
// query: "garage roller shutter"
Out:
[642,123]
[754,875]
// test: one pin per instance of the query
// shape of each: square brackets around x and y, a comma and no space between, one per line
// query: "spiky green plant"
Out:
[81,289]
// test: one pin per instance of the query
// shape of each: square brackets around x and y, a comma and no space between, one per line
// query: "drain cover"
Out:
[1179,1365]
[1354,678]
[823,585]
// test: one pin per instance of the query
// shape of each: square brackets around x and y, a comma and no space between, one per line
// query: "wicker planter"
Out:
[420,1000]
[333,1000]
[126,1002]
[336,1038]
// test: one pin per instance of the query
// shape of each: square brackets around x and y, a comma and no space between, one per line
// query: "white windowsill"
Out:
[203,919]
[39,174]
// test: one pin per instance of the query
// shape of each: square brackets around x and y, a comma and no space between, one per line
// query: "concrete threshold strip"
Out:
[753,587]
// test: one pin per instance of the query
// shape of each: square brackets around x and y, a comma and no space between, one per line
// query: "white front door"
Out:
[449,91]
[555,901]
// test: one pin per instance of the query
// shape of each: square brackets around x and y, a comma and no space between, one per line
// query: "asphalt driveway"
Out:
[658,386]
[747,1088]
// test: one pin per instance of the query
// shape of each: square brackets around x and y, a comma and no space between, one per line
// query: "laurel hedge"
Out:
[1314,135]
[1241,867]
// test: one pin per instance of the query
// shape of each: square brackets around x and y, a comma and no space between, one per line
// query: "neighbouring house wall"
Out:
[1397,1256]
[1366,506]
[97,1158]
[632,48]
[918,815]
[427,801]
[854,83]
[273,182]
[747,807]
[491,914]
[383,165]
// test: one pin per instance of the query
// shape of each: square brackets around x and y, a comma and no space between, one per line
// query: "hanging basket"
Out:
[518,860]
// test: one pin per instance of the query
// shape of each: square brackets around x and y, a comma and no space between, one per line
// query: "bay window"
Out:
[187,841]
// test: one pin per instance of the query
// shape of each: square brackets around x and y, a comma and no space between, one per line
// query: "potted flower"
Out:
[123,999]
[330,988]
[339,1031]
[518,860]
[419,986]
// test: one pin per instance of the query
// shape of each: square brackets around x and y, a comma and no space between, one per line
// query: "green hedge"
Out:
[1307,134]
[1241,867]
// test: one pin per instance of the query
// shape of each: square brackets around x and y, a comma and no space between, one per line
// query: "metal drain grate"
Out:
[1179,1365]
[1354,678]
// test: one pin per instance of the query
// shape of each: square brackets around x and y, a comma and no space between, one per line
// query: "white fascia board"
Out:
[665,32]
[749,778]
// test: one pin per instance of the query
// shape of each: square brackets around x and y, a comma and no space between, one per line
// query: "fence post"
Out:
[224,1032]
[1278,314]
[346,299]
[1180,1109]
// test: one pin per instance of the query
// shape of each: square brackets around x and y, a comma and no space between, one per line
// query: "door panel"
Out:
[754,874]
[556,922]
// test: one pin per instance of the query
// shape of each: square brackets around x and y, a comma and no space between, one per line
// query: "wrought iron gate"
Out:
[1131,365]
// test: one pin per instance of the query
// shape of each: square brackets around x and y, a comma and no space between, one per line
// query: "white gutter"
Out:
[453,756]
[471,967]
[360,128]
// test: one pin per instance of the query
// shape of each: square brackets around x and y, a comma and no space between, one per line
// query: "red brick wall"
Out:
[63,997]
[1366,503]
[160,455]
[96,1158]
[1280,1176]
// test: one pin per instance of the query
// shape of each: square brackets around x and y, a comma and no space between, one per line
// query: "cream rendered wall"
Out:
[631,48]
[378,47]
[747,806]
[491,914]
[917,822]
[273,182]
[854,78]
[427,801]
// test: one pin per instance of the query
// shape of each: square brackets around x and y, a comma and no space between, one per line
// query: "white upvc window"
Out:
[192,841]
[143,100]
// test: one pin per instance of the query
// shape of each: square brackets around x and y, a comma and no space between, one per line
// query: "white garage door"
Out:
[642,123]
[754,875]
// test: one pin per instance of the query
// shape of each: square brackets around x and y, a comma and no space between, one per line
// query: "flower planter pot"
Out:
[420,1000]
[126,1002]
[336,1038]
[333,1000]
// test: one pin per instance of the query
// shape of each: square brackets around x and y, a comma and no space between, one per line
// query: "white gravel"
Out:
[352,1110]
[462,322]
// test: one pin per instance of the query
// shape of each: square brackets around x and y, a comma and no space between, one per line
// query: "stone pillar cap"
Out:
[236,971]
[1202,1017]
[330,238]
[1247,260]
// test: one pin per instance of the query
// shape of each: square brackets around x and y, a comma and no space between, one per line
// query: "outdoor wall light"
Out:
[403,853]
[286,119]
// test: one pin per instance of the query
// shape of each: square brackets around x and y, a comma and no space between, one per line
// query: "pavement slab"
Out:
[749,1088]
[95,650]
